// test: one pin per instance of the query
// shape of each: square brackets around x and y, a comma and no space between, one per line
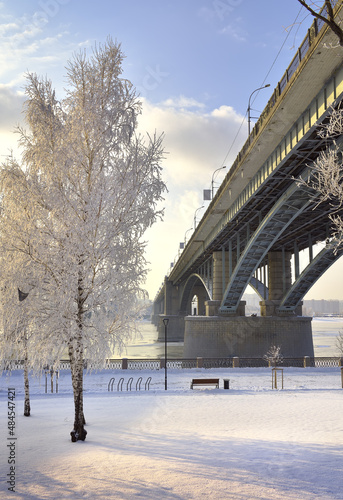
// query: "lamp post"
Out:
[165,322]
[221,168]
[195,215]
[249,108]
[190,229]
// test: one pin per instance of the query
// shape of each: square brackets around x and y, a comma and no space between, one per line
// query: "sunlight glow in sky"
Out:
[194,63]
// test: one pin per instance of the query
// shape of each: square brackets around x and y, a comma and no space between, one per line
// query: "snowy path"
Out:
[246,443]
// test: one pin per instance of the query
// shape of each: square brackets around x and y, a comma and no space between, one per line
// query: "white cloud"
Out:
[6,28]
[196,140]
[182,102]
[33,43]
[11,103]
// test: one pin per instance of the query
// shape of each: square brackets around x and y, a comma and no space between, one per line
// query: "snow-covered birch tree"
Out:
[92,187]
[17,339]
[326,179]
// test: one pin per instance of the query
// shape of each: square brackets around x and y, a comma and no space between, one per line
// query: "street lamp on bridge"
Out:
[212,181]
[195,216]
[249,107]
[190,229]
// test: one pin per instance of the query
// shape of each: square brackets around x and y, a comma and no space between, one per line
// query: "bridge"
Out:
[262,224]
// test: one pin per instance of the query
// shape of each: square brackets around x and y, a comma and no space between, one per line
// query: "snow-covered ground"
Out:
[249,442]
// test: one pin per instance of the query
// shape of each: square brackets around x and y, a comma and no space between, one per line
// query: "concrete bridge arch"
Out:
[195,285]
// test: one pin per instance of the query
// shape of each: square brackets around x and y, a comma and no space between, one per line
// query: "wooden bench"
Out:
[205,381]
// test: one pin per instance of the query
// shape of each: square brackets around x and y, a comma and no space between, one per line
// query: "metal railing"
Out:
[179,364]
[327,362]
[143,364]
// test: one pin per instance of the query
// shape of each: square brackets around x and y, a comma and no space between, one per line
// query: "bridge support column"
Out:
[171,298]
[222,266]
[279,282]
[158,308]
[221,276]
[176,325]
[200,292]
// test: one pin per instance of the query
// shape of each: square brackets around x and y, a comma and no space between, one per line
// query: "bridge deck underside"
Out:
[283,213]
[312,220]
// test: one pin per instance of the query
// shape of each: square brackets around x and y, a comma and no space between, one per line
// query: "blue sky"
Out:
[213,51]
[194,62]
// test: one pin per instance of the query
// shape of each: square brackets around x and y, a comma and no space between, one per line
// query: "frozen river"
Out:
[325,331]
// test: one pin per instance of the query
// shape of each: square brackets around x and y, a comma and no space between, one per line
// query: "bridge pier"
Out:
[170,310]
[175,329]
[225,335]
[158,308]
[246,336]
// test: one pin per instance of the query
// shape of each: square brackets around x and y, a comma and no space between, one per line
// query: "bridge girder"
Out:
[260,288]
[315,269]
[291,204]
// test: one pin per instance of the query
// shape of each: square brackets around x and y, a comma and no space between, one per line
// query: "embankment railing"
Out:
[178,364]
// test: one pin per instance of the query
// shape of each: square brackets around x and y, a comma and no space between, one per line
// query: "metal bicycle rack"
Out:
[138,383]
[128,384]
[110,384]
[120,384]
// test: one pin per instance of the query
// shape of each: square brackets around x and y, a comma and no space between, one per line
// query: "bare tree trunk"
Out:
[73,375]
[76,366]
[27,408]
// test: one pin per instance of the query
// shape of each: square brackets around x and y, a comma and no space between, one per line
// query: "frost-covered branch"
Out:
[274,356]
[326,179]
[329,19]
